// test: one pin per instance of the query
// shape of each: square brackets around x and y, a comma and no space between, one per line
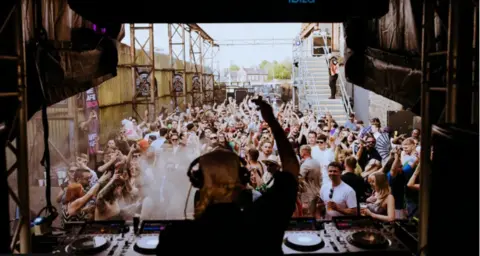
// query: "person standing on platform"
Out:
[332,77]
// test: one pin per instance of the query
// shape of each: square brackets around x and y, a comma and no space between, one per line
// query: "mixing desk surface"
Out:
[343,236]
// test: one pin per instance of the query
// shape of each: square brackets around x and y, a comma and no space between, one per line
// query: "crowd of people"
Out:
[141,170]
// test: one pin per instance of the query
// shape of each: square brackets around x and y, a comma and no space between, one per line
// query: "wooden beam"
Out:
[201,32]
[307,30]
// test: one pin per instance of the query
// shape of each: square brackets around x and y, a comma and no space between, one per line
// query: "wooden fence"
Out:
[115,95]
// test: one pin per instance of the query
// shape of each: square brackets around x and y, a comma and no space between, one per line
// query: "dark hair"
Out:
[313,132]
[376,120]
[79,173]
[181,136]
[336,165]
[253,154]
[163,131]
[351,162]
[322,137]
[388,165]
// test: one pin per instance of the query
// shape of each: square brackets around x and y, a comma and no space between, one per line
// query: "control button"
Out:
[335,248]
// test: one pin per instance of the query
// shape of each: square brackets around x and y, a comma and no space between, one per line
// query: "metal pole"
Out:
[202,70]
[5,242]
[153,89]
[428,14]
[172,65]
[22,159]
[451,57]
[464,25]
[133,59]
[184,68]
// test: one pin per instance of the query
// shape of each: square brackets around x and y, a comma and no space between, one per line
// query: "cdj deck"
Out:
[343,236]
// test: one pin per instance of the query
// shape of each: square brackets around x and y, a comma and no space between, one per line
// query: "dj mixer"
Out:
[305,236]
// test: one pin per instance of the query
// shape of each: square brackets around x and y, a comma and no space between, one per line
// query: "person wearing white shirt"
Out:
[338,197]
[322,153]
[153,133]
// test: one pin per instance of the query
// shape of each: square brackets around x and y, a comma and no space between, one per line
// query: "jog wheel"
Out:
[368,240]
[304,241]
[146,245]
[89,245]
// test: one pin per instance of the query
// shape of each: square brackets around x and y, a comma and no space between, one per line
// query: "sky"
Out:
[240,55]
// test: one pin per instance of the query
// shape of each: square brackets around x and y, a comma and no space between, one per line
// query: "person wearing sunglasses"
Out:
[367,152]
[339,199]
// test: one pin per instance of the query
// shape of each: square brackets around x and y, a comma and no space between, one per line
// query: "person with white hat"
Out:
[273,166]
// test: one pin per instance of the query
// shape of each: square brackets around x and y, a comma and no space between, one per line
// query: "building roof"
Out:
[255,71]
[230,74]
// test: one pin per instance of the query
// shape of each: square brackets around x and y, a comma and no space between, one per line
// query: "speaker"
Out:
[401,121]
[240,95]
[454,189]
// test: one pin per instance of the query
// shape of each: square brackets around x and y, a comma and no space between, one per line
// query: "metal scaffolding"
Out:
[458,86]
[209,54]
[196,66]
[15,57]
[176,49]
[302,79]
[143,70]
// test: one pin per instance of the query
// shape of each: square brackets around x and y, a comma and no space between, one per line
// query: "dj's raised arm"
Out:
[285,150]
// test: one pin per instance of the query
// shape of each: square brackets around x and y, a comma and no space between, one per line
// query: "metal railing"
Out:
[304,80]
[343,90]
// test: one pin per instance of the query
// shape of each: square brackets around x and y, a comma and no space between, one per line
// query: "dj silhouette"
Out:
[227,224]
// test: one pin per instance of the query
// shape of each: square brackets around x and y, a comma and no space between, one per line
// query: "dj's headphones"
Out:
[196,177]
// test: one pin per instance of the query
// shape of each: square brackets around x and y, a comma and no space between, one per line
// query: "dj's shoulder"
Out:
[284,177]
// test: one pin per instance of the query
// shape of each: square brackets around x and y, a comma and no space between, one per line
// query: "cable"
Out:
[50,211]
[46,154]
[186,201]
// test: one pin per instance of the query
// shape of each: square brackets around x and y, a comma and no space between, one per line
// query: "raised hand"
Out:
[265,109]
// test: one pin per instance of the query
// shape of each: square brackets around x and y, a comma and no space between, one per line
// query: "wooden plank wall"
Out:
[115,95]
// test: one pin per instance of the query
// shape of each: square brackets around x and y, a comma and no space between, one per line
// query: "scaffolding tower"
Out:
[177,53]
[13,58]
[209,54]
[201,61]
[301,77]
[460,88]
[143,70]
[196,66]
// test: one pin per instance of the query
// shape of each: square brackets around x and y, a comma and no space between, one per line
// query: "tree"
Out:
[278,70]
[234,67]
[264,65]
